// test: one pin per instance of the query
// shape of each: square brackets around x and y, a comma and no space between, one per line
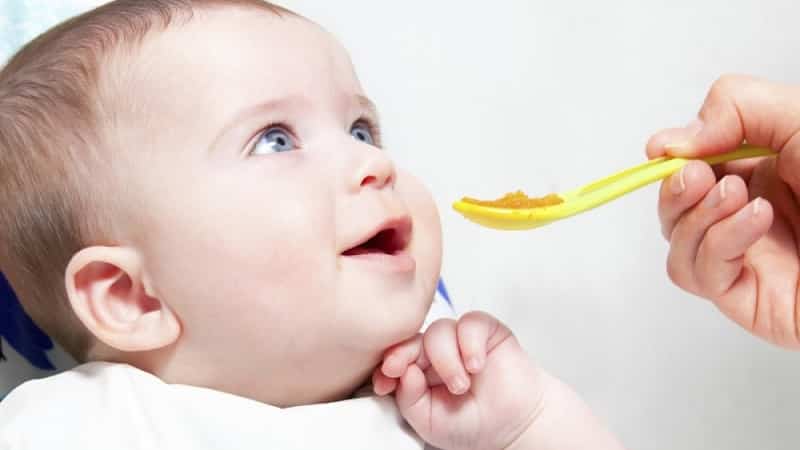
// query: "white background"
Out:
[480,98]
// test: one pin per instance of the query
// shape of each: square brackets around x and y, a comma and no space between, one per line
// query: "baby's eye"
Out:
[274,140]
[363,133]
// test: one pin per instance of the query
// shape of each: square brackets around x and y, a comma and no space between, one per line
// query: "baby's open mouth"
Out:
[391,238]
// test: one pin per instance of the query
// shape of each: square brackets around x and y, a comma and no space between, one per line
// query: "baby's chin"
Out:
[395,330]
[348,369]
[366,337]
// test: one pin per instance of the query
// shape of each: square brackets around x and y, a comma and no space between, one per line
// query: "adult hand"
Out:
[734,231]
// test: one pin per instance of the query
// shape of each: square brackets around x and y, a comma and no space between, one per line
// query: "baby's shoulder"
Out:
[75,404]
[101,406]
[96,381]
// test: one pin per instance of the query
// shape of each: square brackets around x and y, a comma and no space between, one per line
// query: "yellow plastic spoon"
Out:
[593,194]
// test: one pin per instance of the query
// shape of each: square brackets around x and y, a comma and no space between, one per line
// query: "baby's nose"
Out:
[375,170]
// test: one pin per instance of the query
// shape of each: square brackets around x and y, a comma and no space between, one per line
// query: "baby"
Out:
[197,206]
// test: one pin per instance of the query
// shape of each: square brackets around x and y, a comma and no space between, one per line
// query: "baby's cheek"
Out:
[420,203]
[426,245]
[427,240]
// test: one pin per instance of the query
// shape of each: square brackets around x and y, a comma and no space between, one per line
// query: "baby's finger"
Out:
[397,359]
[681,192]
[413,398]
[432,377]
[381,384]
[422,361]
[720,256]
[474,330]
[441,346]
[727,197]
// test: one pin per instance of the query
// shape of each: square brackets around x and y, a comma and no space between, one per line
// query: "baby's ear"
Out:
[107,291]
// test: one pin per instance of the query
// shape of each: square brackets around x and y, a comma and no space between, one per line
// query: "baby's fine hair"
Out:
[61,97]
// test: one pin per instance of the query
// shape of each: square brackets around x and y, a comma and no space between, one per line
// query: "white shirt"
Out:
[115,406]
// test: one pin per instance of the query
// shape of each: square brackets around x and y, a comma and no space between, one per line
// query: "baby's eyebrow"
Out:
[280,104]
[287,104]
[368,106]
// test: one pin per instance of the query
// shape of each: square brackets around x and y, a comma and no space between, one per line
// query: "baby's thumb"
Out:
[740,108]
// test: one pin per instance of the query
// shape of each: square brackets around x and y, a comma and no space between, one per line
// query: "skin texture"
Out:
[733,231]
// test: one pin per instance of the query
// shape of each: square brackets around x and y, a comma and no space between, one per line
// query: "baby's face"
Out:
[259,197]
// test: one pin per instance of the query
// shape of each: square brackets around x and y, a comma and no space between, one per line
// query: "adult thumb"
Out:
[740,108]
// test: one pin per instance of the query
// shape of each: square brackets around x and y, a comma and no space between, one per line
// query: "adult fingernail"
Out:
[694,127]
[752,210]
[677,183]
[716,196]
[678,148]
[757,206]
[684,146]
[458,385]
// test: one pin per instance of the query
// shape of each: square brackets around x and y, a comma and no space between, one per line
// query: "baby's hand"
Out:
[463,385]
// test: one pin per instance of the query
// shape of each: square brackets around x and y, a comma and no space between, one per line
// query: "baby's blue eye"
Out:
[363,133]
[274,140]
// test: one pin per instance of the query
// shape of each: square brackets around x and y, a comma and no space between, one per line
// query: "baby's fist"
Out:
[463,384]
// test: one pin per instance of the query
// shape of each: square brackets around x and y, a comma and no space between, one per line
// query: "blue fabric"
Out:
[443,292]
[19,331]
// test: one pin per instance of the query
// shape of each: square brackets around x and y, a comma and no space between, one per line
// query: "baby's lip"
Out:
[391,237]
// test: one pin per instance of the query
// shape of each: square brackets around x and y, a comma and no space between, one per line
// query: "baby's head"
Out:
[207,177]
